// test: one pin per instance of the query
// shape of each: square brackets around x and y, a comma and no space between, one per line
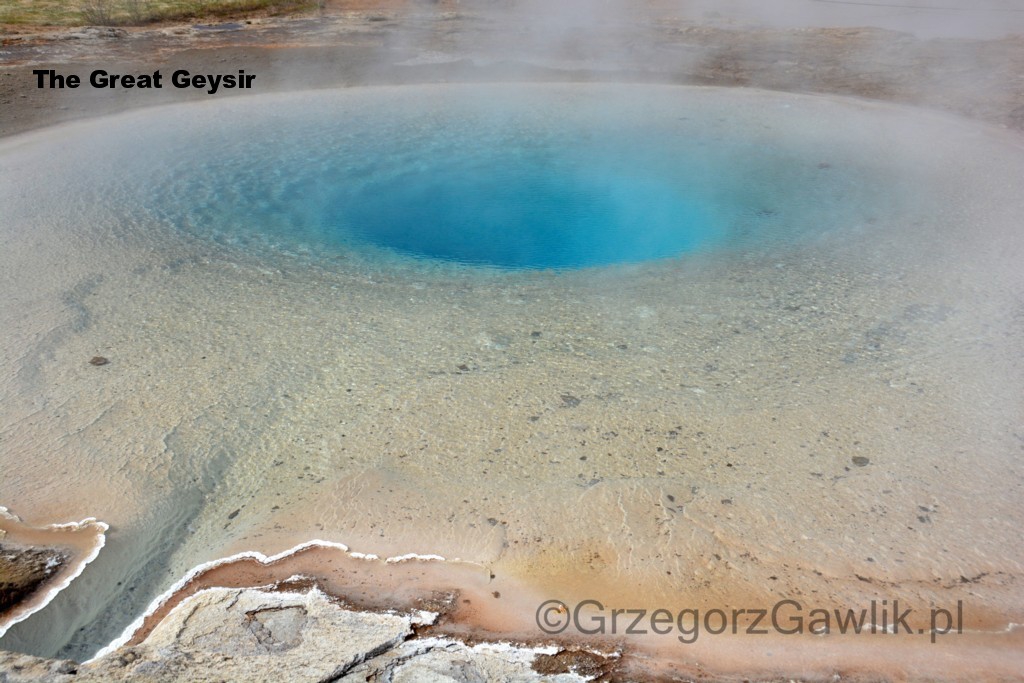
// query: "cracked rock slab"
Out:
[21,668]
[250,634]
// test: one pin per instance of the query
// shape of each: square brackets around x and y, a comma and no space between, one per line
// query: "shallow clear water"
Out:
[297,353]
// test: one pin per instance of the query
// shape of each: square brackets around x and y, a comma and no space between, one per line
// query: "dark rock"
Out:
[586,664]
[24,569]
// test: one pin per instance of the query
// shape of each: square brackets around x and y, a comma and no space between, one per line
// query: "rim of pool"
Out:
[566,176]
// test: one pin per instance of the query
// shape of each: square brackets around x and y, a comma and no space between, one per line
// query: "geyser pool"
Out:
[546,208]
[525,178]
[294,354]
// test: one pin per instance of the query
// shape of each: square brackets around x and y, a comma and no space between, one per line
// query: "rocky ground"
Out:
[251,634]
[475,41]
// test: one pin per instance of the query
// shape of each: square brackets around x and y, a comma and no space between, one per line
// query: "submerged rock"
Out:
[570,401]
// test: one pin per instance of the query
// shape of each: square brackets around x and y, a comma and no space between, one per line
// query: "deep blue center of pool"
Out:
[519,212]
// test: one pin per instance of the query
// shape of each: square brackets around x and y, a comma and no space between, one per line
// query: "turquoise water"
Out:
[541,210]
[510,184]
